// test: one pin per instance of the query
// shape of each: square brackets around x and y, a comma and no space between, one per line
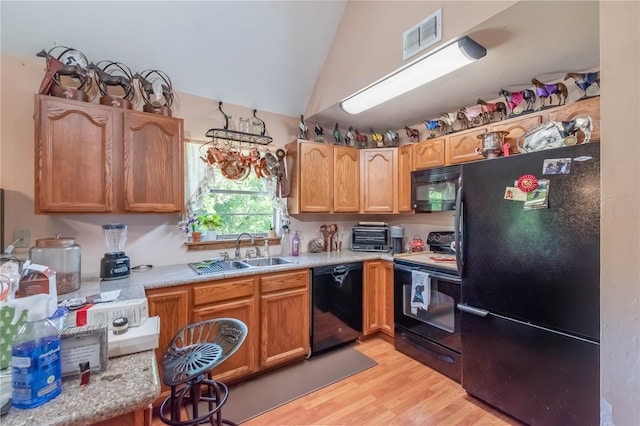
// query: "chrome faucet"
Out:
[253,243]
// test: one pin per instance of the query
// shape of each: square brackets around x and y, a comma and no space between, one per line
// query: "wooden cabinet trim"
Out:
[284,281]
[217,291]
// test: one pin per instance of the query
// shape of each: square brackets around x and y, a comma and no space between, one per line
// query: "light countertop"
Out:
[130,382]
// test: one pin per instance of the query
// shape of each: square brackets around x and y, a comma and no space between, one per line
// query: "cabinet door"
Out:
[346,177]
[172,306]
[462,147]
[316,177]
[74,157]
[516,128]
[244,361]
[372,297]
[377,293]
[379,180]
[153,163]
[590,107]
[284,317]
[429,153]
[404,178]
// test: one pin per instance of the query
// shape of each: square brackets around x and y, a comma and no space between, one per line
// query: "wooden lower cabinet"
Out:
[284,317]
[171,304]
[377,296]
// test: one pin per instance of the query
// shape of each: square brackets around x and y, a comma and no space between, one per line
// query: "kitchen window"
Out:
[244,206]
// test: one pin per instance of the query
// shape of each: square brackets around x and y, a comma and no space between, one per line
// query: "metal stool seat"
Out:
[187,362]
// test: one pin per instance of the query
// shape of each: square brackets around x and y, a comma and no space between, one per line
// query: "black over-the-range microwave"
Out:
[434,190]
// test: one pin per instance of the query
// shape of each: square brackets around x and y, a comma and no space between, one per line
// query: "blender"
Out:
[115,264]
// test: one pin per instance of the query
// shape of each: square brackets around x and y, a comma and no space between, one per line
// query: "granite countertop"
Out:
[172,275]
[130,382]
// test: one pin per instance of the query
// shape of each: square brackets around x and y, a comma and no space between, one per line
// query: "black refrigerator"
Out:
[530,293]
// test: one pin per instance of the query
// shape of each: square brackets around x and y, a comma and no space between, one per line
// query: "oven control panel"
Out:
[441,241]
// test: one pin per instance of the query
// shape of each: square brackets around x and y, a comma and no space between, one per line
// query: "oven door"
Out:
[434,190]
[437,320]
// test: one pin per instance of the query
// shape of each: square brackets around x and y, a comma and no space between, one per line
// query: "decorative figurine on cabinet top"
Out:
[412,134]
[548,90]
[588,82]
[393,138]
[155,86]
[336,134]
[114,74]
[361,139]
[515,99]
[348,138]
[431,126]
[319,131]
[377,137]
[67,74]
[489,109]
[303,128]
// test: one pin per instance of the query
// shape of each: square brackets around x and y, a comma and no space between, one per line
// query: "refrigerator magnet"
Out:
[556,166]
[538,198]
[515,194]
[527,183]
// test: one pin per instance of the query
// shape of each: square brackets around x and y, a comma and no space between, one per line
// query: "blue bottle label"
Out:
[36,372]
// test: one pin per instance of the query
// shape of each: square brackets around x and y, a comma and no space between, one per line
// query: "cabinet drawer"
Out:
[283,281]
[217,291]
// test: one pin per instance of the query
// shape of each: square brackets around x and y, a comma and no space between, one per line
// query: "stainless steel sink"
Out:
[216,266]
[268,261]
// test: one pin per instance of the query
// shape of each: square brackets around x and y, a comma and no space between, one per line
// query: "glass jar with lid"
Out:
[61,254]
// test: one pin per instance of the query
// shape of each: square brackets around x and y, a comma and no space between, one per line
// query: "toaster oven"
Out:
[370,238]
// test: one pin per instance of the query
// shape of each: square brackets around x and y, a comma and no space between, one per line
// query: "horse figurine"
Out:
[412,134]
[432,125]
[548,90]
[461,116]
[515,98]
[56,68]
[361,139]
[155,88]
[488,110]
[105,79]
[392,137]
[302,126]
[448,118]
[319,131]
[336,134]
[474,114]
[581,123]
[584,80]
[377,137]
[348,137]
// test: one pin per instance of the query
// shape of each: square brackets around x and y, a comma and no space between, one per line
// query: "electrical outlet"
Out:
[24,235]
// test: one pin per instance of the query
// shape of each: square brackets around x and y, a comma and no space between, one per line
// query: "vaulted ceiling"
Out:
[268,54]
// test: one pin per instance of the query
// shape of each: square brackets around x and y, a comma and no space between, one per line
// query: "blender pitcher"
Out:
[115,264]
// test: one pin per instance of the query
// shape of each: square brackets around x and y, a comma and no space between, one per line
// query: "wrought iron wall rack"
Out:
[234,135]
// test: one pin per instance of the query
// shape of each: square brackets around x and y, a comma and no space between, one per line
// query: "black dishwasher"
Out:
[336,305]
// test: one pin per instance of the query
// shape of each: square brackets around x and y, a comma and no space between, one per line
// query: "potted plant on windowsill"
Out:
[209,223]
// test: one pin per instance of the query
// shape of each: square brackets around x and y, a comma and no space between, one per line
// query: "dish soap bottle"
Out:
[295,244]
[35,356]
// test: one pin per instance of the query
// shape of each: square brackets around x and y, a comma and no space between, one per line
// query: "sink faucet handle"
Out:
[250,253]
[224,255]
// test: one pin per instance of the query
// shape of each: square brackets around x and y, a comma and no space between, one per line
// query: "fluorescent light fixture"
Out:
[430,67]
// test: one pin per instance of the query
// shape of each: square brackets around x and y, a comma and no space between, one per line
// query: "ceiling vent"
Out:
[422,35]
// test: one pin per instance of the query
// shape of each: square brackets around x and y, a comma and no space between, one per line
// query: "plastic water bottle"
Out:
[295,244]
[35,357]
[285,243]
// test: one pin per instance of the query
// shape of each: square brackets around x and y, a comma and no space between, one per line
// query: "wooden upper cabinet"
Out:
[153,163]
[590,107]
[405,154]
[74,157]
[429,153]
[379,180]
[92,158]
[461,147]
[311,175]
[516,128]
[346,180]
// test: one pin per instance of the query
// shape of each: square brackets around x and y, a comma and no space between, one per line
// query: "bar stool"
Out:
[188,360]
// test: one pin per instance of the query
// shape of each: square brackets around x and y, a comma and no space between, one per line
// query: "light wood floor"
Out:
[398,391]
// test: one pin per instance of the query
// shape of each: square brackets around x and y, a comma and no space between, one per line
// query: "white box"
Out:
[134,310]
[136,339]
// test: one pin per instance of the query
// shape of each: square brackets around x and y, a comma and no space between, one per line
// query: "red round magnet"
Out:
[527,183]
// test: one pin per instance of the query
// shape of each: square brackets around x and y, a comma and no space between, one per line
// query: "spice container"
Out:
[61,254]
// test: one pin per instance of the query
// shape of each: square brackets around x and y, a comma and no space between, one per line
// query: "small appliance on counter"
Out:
[115,264]
[397,239]
[370,236]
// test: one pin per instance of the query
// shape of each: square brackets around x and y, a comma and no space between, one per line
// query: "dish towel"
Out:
[420,290]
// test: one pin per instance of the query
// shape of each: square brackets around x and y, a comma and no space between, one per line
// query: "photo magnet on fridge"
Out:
[538,198]
[556,166]
[514,193]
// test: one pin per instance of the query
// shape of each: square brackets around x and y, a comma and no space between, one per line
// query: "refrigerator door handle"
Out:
[473,310]
[457,229]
